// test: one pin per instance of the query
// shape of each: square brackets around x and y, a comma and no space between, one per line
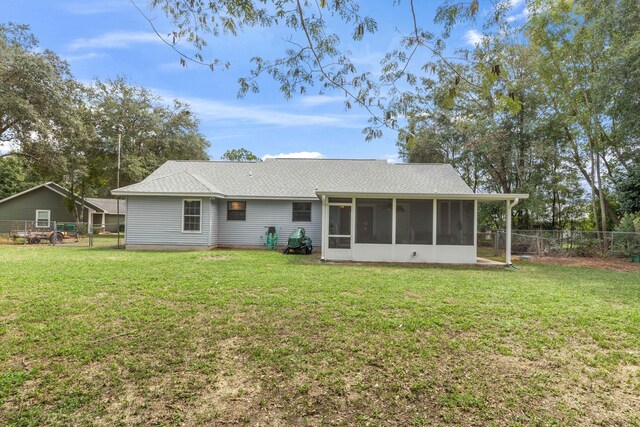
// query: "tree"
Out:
[240,155]
[319,56]
[629,190]
[496,131]
[35,87]
[68,132]
[532,108]
[151,131]
[16,175]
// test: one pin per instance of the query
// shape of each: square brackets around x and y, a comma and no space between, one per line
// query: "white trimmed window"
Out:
[43,218]
[191,215]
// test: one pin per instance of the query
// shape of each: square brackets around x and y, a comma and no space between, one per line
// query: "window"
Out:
[414,222]
[301,211]
[191,213]
[373,221]
[43,218]
[455,222]
[236,211]
[340,227]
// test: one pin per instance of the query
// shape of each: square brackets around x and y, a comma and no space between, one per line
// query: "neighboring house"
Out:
[106,219]
[40,206]
[357,210]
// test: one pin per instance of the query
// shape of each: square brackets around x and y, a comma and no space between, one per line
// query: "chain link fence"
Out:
[60,233]
[558,243]
[562,243]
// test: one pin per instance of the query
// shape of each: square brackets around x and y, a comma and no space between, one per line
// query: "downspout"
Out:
[508,236]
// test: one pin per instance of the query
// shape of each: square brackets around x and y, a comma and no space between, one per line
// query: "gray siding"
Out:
[262,214]
[154,220]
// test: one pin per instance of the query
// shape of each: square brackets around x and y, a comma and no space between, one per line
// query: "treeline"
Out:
[550,107]
[62,130]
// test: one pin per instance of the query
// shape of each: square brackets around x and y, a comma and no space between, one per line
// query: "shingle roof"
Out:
[108,205]
[298,178]
[57,189]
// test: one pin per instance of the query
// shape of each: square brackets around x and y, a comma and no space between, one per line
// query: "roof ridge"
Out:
[422,164]
[324,159]
[204,182]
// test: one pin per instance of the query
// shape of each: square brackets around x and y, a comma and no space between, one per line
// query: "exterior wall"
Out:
[433,253]
[157,221]
[23,208]
[262,214]
[424,253]
[110,220]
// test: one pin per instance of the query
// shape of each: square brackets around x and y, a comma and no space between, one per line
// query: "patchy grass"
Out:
[105,337]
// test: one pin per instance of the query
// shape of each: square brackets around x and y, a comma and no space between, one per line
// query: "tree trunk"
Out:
[592,186]
[603,214]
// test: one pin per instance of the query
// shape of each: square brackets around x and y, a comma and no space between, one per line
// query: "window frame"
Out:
[429,223]
[441,217]
[199,231]
[48,218]
[244,218]
[293,211]
[333,238]
[360,237]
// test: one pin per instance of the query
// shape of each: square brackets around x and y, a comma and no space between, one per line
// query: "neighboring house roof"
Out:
[298,179]
[65,193]
[108,205]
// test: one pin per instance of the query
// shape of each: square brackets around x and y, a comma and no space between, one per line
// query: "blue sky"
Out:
[106,38]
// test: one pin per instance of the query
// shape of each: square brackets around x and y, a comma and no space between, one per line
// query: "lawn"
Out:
[105,337]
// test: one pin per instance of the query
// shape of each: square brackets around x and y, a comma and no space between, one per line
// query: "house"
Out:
[356,210]
[106,218]
[40,206]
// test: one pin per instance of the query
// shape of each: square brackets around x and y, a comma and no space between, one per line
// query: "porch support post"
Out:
[475,227]
[393,221]
[434,233]
[103,226]
[325,230]
[507,248]
[353,225]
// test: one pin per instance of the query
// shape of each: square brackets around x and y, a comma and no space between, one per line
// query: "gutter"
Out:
[443,196]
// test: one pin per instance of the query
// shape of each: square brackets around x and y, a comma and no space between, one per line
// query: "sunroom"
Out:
[423,228]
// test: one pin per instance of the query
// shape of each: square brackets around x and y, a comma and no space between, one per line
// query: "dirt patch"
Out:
[615,264]
[216,257]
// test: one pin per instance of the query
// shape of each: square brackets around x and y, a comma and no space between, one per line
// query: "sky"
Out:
[107,38]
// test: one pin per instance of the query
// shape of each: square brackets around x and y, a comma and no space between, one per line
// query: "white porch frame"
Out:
[413,253]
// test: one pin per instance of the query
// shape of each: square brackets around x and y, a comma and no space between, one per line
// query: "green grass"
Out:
[105,337]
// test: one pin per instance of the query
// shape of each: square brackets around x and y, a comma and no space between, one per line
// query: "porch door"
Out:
[339,244]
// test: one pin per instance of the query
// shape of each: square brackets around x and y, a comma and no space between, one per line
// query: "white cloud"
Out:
[211,111]
[369,59]
[83,57]
[473,37]
[393,158]
[297,155]
[115,40]
[522,15]
[89,7]
[516,3]
[315,100]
